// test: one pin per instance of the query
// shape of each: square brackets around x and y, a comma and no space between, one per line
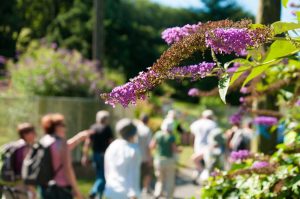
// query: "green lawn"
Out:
[85,185]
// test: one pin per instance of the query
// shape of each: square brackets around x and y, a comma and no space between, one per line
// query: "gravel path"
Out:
[184,186]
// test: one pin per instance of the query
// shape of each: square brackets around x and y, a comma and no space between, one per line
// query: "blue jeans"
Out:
[99,184]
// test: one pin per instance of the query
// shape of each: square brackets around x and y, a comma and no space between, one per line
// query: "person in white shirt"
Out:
[144,139]
[201,129]
[122,161]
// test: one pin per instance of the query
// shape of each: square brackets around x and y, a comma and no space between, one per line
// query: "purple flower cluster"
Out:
[193,71]
[259,165]
[137,87]
[239,155]
[229,40]
[193,92]
[266,120]
[297,103]
[2,59]
[236,118]
[175,34]
[132,91]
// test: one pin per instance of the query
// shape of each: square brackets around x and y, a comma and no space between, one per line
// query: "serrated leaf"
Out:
[280,27]
[285,2]
[280,48]
[223,87]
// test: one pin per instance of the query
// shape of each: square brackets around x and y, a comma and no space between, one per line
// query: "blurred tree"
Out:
[10,26]
[132,28]
[269,11]
[223,9]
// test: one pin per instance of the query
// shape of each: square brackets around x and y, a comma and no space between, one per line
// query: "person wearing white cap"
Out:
[122,164]
[164,161]
[201,129]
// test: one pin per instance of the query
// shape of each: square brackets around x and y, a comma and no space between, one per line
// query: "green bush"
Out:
[279,179]
[49,71]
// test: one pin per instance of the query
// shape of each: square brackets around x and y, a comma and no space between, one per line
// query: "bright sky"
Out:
[249,5]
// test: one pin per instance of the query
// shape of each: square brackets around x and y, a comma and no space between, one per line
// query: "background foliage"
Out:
[132,29]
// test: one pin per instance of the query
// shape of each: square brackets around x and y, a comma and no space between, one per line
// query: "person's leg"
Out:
[99,184]
[170,178]
[197,161]
[146,176]
[159,179]
[199,164]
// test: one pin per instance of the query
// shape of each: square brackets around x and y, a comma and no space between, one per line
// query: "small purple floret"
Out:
[239,155]
[193,92]
[230,40]
[265,120]
[175,34]
[259,165]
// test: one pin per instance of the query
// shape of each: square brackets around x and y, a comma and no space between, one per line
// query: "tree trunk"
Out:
[98,34]
[269,11]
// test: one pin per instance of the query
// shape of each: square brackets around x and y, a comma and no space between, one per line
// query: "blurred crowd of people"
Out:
[125,159]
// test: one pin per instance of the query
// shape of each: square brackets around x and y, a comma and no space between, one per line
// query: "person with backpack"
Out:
[99,141]
[13,155]
[49,163]
[164,142]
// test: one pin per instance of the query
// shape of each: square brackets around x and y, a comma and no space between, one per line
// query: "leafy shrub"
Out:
[49,71]
[277,176]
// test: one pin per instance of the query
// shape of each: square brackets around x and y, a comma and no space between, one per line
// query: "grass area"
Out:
[185,157]
[85,185]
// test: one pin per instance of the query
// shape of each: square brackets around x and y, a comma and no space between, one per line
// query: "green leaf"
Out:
[280,48]
[294,63]
[258,70]
[298,16]
[285,2]
[245,64]
[239,72]
[280,27]
[238,60]
[223,87]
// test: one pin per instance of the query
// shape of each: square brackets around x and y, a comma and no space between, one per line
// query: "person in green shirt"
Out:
[164,143]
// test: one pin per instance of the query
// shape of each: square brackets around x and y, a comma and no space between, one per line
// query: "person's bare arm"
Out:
[78,138]
[85,151]
[175,148]
[69,170]
[152,144]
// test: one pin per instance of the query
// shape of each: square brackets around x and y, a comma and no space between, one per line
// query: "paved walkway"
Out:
[184,186]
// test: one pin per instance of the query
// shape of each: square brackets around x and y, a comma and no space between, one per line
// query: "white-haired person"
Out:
[164,142]
[122,163]
[177,130]
[99,142]
[200,129]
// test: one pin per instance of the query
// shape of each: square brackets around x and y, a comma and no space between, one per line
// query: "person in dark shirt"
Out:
[99,141]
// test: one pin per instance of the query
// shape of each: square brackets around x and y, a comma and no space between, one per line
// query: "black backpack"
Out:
[37,167]
[7,160]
